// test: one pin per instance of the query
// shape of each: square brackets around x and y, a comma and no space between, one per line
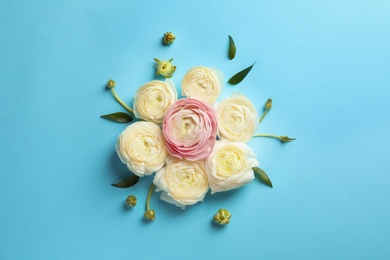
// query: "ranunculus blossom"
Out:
[153,99]
[141,146]
[230,166]
[182,182]
[202,83]
[237,119]
[190,128]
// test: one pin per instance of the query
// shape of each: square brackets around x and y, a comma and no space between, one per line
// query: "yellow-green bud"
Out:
[111,83]
[268,105]
[131,201]
[169,38]
[164,68]
[222,217]
[286,139]
[150,214]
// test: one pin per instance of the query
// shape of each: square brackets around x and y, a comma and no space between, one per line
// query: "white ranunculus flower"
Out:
[230,166]
[141,146]
[182,182]
[202,83]
[237,119]
[153,99]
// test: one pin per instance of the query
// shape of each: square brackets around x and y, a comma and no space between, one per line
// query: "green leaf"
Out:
[127,183]
[263,176]
[232,48]
[237,78]
[118,117]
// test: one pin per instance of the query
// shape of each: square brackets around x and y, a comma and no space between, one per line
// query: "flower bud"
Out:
[164,68]
[286,139]
[222,217]
[111,83]
[131,201]
[150,215]
[169,38]
[268,104]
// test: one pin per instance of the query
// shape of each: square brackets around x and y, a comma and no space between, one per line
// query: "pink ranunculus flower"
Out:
[190,129]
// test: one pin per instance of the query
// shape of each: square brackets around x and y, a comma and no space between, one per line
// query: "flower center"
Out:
[230,163]
[188,126]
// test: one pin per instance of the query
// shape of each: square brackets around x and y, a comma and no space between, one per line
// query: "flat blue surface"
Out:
[325,64]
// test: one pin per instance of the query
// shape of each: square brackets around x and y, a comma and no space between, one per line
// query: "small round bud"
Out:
[164,68]
[222,217]
[150,215]
[131,201]
[111,83]
[169,38]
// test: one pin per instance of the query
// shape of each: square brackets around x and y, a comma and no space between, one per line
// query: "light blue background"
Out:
[325,64]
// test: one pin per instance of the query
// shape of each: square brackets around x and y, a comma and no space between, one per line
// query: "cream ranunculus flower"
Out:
[182,182]
[141,146]
[230,166]
[202,83]
[237,119]
[153,99]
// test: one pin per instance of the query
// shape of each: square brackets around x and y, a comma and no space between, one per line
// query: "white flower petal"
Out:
[230,166]
[182,182]
[141,146]
[202,83]
[237,119]
[153,99]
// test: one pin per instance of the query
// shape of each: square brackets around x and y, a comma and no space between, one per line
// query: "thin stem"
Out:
[266,135]
[282,138]
[121,102]
[267,108]
[149,196]
[262,117]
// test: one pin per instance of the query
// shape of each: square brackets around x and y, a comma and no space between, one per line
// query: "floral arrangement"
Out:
[192,144]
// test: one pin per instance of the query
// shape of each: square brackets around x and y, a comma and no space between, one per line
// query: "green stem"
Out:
[283,138]
[149,196]
[121,102]
[262,117]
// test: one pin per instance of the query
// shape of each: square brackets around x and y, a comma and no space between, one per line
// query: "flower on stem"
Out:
[222,217]
[150,214]
[131,201]
[282,138]
[169,38]
[111,85]
[267,107]
[164,68]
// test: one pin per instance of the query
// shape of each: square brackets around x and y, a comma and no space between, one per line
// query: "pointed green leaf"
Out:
[232,48]
[263,176]
[118,117]
[237,78]
[127,183]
